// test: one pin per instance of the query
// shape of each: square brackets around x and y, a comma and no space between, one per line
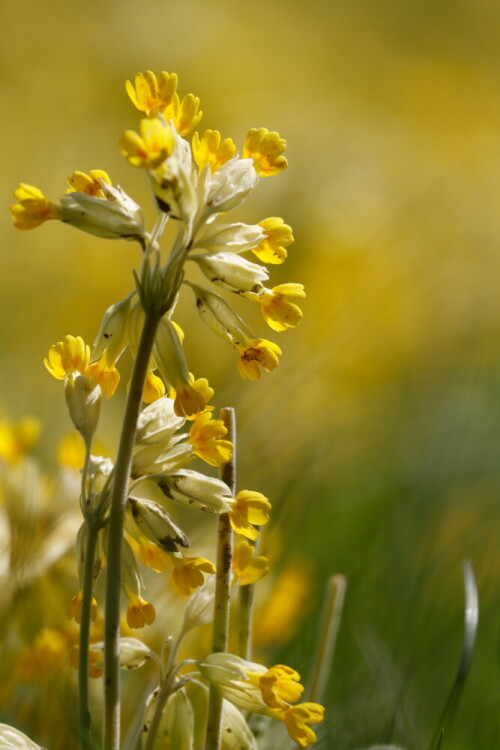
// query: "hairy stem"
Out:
[115,535]
[85,621]
[220,633]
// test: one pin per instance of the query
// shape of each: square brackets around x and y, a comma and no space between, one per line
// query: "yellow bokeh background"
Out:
[377,438]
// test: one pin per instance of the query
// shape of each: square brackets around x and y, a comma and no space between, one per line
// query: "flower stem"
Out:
[327,636]
[220,632]
[245,618]
[85,621]
[115,534]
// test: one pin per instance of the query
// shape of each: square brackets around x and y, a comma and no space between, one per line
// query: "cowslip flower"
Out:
[207,438]
[266,149]
[150,147]
[257,353]
[277,237]
[33,207]
[90,183]
[211,150]
[16,439]
[247,567]
[185,114]
[249,508]
[187,573]
[278,305]
[232,272]
[74,608]
[151,94]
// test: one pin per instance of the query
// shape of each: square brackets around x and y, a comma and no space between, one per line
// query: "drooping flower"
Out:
[187,573]
[248,568]
[74,609]
[140,612]
[278,307]
[249,508]
[207,438]
[297,719]
[278,236]
[257,353]
[266,149]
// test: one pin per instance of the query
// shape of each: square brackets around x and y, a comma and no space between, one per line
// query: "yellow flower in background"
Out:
[279,616]
[17,439]
[149,148]
[184,114]
[298,717]
[187,574]
[278,236]
[74,609]
[151,94]
[45,658]
[246,567]
[139,611]
[33,207]
[255,353]
[211,150]
[266,149]
[67,357]
[249,508]
[207,438]
[277,307]
[90,183]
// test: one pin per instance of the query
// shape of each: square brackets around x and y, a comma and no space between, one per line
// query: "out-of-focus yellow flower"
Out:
[33,207]
[17,439]
[151,94]
[74,609]
[191,399]
[149,148]
[210,150]
[154,388]
[187,574]
[207,438]
[139,612]
[249,508]
[277,307]
[255,353]
[90,183]
[69,356]
[266,150]
[246,567]
[45,658]
[278,236]
[184,114]
[71,451]
[298,717]
[279,616]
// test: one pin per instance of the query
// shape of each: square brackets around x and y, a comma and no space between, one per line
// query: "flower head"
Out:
[209,149]
[277,237]
[140,612]
[184,114]
[266,150]
[247,567]
[249,508]
[33,207]
[278,307]
[67,357]
[187,573]
[298,717]
[90,183]
[149,148]
[257,353]
[207,438]
[151,94]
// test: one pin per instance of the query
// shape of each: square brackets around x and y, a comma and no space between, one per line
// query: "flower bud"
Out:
[236,238]
[232,272]
[113,335]
[230,185]
[133,653]
[158,422]
[179,721]
[197,491]
[220,317]
[100,217]
[200,606]
[156,525]
[13,739]
[84,403]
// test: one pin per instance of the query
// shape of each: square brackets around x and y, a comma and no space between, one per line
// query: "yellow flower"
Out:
[298,717]
[17,439]
[139,611]
[154,388]
[249,508]
[45,658]
[151,147]
[151,93]
[248,569]
[104,373]
[255,353]
[210,150]
[266,150]
[278,236]
[150,554]
[206,436]
[67,357]
[187,574]
[90,183]
[277,307]
[33,207]
[74,609]
[279,686]
[184,114]
[190,399]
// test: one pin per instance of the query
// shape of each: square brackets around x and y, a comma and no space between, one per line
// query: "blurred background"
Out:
[378,437]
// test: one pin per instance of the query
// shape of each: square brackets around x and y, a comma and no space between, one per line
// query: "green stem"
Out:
[115,535]
[327,637]
[85,622]
[165,690]
[220,632]
[245,617]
